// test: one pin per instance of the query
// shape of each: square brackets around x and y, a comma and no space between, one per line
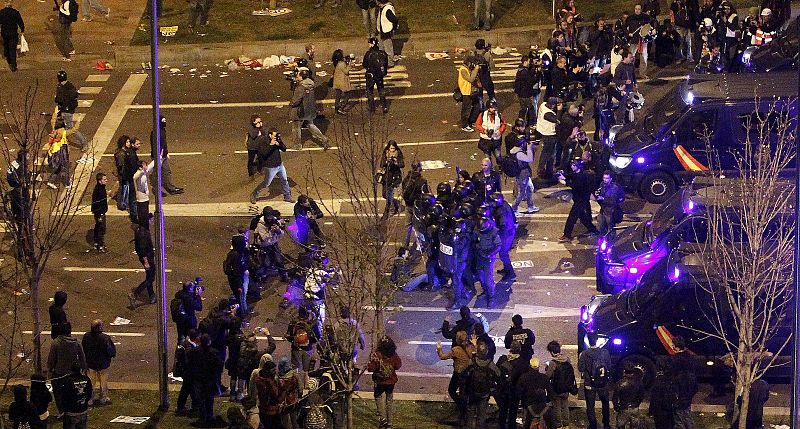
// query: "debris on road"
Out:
[129,419]
[119,321]
[436,55]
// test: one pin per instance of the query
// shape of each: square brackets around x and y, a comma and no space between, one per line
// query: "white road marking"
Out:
[387,84]
[105,132]
[106,270]
[113,334]
[527,311]
[584,278]
[90,90]
[111,155]
[97,77]
[537,246]
[433,343]
[85,103]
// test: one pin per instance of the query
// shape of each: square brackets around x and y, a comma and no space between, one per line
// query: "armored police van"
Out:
[701,122]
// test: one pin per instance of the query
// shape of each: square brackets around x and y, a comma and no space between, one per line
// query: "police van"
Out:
[671,297]
[667,147]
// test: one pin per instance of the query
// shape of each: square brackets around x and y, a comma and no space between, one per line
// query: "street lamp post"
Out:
[796,338]
[161,279]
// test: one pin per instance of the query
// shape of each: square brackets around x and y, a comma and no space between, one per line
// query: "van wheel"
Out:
[657,187]
[643,363]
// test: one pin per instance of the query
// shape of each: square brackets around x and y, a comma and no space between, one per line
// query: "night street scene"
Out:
[512,214]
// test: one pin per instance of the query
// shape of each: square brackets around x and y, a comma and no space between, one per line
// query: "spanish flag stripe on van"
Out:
[666,339]
[687,160]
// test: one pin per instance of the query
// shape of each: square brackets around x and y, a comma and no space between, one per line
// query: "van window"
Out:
[695,128]
[751,123]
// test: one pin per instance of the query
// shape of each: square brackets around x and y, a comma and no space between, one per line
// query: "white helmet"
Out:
[636,100]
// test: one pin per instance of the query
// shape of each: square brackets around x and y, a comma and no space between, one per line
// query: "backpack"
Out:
[177,310]
[230,265]
[564,379]
[509,165]
[301,336]
[384,372]
[482,382]
[598,374]
[537,419]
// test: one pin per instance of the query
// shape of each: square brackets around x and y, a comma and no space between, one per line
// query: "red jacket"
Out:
[377,360]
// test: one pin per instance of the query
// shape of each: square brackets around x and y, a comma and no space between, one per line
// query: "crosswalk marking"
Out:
[97,77]
[396,77]
[90,89]
[85,103]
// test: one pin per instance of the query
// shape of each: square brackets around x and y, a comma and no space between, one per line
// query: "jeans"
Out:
[527,110]
[342,98]
[643,62]
[64,38]
[99,230]
[384,402]
[372,82]
[387,45]
[70,124]
[685,50]
[485,268]
[391,201]
[524,189]
[469,111]
[269,175]
[75,421]
[10,50]
[88,5]
[591,395]
[484,6]
[166,177]
[187,391]
[605,221]
[433,272]
[560,410]
[297,129]
[580,210]
[368,18]
[476,413]
[99,379]
[149,278]
[506,242]
[683,419]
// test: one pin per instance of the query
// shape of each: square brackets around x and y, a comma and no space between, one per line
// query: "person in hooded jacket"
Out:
[77,391]
[560,400]
[291,391]
[304,110]
[268,393]
[483,337]
[506,223]
[518,333]
[511,366]
[236,268]
[181,369]
[204,363]
[384,364]
[190,295]
[590,361]
[627,395]
[99,349]
[487,245]
[533,388]
[480,381]
[40,398]
[64,352]
[58,317]
[376,65]
[22,412]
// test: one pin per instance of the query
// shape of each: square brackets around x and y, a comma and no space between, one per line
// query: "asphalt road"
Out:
[208,110]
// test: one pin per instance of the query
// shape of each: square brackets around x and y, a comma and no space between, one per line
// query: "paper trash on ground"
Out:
[436,55]
[433,165]
[120,321]
[129,419]
[272,12]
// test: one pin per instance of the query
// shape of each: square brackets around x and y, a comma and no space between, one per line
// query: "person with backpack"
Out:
[99,349]
[290,393]
[534,390]
[236,268]
[491,125]
[594,364]
[268,393]
[562,376]
[521,156]
[303,334]
[250,355]
[481,380]
[384,364]
[627,395]
[684,376]
[180,368]
[183,307]
[511,366]
[461,353]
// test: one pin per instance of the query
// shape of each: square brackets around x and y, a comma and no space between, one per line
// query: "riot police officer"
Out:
[454,249]
[487,245]
[444,195]
[506,223]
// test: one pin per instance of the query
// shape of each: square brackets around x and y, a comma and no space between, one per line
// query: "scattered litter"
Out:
[51,299]
[118,280]
[548,293]
[322,73]
[131,420]
[20,355]
[433,165]
[272,12]
[720,414]
[499,51]
[473,157]
[514,54]
[444,121]
[192,70]
[87,280]
[168,31]
[64,258]
[460,50]
[455,20]
[780,426]
[147,66]
[103,65]
[436,55]
[174,70]
[21,292]
[174,379]
[391,322]
[119,321]
[213,101]
[430,86]
[202,76]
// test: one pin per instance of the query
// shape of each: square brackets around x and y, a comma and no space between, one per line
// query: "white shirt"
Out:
[141,183]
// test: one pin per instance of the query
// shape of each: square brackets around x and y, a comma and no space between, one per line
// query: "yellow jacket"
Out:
[465,79]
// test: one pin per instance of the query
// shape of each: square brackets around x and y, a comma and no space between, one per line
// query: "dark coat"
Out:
[99,349]
[530,385]
[191,304]
[99,199]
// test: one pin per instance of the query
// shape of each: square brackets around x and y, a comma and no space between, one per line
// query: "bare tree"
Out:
[748,254]
[37,219]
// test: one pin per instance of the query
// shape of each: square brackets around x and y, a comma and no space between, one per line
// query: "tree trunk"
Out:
[349,409]
[745,405]
[37,318]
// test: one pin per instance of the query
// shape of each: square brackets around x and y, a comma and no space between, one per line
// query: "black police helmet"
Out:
[468,188]
[460,225]
[443,188]
[497,199]
[485,210]
[457,213]
[61,76]
[467,209]
[486,224]
[437,210]
[427,200]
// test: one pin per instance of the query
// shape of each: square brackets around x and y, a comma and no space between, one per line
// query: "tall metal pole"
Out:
[796,338]
[161,279]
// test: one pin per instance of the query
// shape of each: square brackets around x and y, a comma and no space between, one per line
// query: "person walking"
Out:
[610,197]
[78,391]
[384,364]
[376,64]
[143,244]
[626,396]
[67,14]
[387,27]
[303,333]
[562,377]
[89,5]
[166,171]
[633,26]
[58,317]
[66,100]
[141,182]
[461,354]
[391,174]
[583,185]
[65,352]
[304,110]
[469,93]
[253,139]
[342,65]
[188,301]
[99,210]
[269,151]
[594,365]
[99,349]
[10,21]
[368,16]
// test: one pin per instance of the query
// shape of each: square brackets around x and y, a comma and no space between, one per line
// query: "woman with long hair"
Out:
[392,164]
[341,80]
[384,364]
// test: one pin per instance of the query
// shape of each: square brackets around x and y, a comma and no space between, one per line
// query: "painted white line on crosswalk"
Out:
[570,347]
[525,310]
[113,334]
[90,90]
[97,77]
[584,278]
[387,84]
[538,246]
[106,270]
[85,103]
[111,155]
[389,76]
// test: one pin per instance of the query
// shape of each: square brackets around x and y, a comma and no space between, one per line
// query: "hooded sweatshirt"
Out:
[554,363]
[251,387]
[64,351]
[304,101]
